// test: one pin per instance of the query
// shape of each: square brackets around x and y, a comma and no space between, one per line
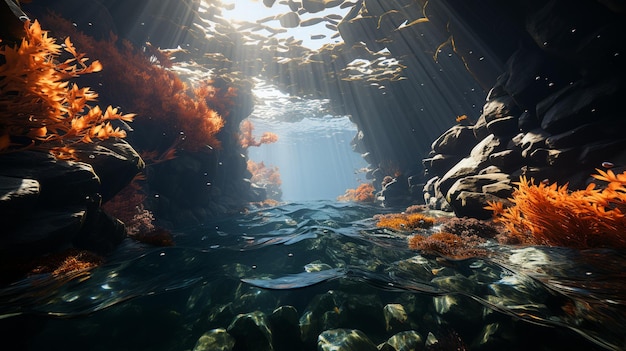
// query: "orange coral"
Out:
[39,106]
[404,221]
[246,139]
[552,215]
[363,193]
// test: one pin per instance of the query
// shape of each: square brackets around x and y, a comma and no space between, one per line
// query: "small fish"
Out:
[607,164]
[294,6]
[332,3]
[318,36]
[311,21]
[347,4]
[266,19]
[412,23]
[331,26]
[333,16]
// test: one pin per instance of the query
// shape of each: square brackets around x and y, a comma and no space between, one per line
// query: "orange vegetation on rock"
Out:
[363,193]
[169,111]
[246,139]
[65,262]
[404,221]
[39,107]
[267,178]
[552,215]
[263,175]
[447,244]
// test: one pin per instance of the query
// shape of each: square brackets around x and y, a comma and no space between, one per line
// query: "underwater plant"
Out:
[448,244]
[363,193]
[552,215]
[246,139]
[404,221]
[170,112]
[267,177]
[39,107]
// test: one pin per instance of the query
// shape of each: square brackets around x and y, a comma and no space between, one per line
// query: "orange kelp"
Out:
[169,111]
[39,107]
[552,215]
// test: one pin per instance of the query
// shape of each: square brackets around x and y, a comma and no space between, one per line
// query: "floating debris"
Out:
[311,22]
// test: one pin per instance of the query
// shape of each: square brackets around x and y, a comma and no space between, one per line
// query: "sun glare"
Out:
[243,12]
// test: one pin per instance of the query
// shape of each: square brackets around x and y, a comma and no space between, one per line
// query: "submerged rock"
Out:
[344,340]
[405,341]
[215,340]
[51,204]
[251,332]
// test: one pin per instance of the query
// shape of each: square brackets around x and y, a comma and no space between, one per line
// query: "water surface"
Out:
[165,298]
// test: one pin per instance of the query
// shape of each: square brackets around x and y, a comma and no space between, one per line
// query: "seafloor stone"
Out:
[458,310]
[215,340]
[251,332]
[406,341]
[396,318]
[284,323]
[344,340]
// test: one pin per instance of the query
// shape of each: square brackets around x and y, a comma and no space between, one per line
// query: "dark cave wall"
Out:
[553,113]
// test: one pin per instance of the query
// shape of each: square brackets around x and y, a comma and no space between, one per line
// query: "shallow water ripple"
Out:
[298,249]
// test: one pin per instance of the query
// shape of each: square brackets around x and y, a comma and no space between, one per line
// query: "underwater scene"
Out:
[331,175]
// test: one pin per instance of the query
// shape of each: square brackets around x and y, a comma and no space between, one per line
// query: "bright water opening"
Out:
[313,153]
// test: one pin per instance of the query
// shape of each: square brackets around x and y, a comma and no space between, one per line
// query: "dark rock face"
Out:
[49,204]
[553,114]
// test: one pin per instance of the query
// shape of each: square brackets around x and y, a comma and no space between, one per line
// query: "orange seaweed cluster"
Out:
[38,105]
[363,193]
[162,100]
[552,215]
[404,221]
[447,244]
[71,260]
[266,177]
[246,139]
